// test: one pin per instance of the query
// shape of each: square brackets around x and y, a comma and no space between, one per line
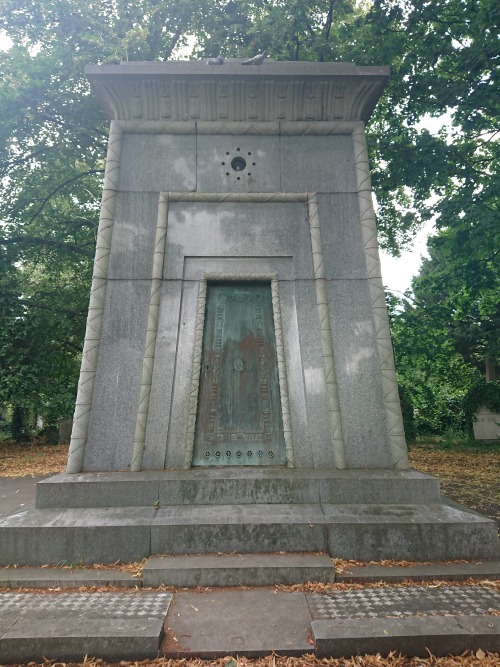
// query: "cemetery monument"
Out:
[238,390]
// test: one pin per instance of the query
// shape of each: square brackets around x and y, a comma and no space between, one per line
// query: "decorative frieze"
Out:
[278,91]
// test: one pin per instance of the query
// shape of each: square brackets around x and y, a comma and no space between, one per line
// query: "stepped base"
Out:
[354,514]
[237,570]
[237,486]
[361,532]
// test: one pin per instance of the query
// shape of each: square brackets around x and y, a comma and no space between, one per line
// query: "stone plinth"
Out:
[228,186]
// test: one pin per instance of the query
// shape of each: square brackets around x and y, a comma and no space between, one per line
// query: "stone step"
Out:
[76,536]
[435,532]
[236,486]
[461,571]
[237,570]
[67,577]
[206,529]
[360,532]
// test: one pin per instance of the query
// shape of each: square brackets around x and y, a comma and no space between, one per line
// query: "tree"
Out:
[444,58]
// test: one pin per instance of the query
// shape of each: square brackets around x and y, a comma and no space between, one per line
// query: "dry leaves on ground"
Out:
[478,659]
[18,460]
[468,477]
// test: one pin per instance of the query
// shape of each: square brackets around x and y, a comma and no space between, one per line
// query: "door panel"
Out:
[239,410]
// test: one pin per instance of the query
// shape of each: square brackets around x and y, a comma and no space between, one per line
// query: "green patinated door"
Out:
[239,411]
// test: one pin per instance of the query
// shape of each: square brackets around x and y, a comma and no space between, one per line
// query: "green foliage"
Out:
[408,412]
[444,59]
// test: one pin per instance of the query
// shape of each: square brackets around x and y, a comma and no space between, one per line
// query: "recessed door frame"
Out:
[271,278]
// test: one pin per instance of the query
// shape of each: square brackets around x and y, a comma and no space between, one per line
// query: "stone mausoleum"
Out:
[238,390]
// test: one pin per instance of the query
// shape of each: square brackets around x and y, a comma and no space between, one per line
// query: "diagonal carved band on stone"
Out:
[238,197]
[238,128]
[96,304]
[399,453]
[285,128]
[325,333]
[282,375]
[151,334]
[318,128]
[197,354]
[195,373]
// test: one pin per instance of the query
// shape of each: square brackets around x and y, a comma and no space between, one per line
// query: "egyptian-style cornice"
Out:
[275,91]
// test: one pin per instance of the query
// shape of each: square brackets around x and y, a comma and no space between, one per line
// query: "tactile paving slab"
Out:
[67,626]
[403,602]
[114,605]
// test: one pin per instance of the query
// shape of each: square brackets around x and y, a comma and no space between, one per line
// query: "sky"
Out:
[397,272]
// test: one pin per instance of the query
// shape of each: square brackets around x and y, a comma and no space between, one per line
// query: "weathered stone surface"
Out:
[357,367]
[249,623]
[237,230]
[413,636]
[237,486]
[116,389]
[486,425]
[237,570]
[68,627]
[261,155]
[56,577]
[134,231]
[275,91]
[485,632]
[65,536]
[409,532]
[244,528]
[317,164]
[449,572]
[158,163]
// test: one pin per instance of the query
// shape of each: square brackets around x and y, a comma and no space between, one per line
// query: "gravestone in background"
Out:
[238,390]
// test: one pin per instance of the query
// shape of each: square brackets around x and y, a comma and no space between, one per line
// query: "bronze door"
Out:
[239,411]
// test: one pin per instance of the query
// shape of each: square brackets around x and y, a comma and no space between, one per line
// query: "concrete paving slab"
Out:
[6,624]
[52,577]
[18,492]
[409,636]
[248,622]
[447,571]
[71,639]
[68,626]
[237,570]
[485,631]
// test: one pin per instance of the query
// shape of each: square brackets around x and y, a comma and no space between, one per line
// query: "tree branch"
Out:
[61,245]
[46,199]
[44,306]
[329,20]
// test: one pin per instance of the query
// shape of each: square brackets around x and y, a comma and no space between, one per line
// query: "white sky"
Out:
[397,272]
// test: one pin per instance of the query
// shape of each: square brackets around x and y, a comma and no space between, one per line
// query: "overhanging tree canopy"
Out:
[444,58]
